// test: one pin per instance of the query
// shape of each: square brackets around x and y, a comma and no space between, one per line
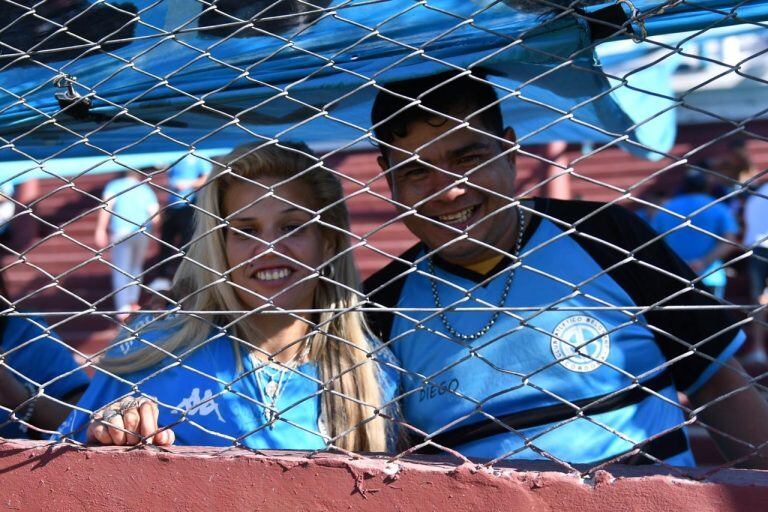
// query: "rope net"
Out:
[388,226]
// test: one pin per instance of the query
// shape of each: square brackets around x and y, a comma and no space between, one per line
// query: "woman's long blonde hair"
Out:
[339,343]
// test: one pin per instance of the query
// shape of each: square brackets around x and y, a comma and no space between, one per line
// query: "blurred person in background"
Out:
[655,196]
[700,230]
[129,212]
[7,209]
[733,166]
[185,177]
[38,375]
[756,239]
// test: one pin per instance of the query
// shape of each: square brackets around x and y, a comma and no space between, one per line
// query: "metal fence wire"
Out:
[180,265]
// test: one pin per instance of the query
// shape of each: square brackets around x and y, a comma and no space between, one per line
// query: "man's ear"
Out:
[509,134]
[384,166]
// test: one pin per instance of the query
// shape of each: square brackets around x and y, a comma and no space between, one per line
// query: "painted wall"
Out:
[42,476]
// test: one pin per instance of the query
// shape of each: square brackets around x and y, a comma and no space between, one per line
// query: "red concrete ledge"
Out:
[52,477]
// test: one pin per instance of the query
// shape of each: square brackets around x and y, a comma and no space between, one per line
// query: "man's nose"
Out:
[447,186]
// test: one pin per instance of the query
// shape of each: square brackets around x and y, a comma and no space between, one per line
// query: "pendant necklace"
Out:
[271,386]
[505,292]
[271,380]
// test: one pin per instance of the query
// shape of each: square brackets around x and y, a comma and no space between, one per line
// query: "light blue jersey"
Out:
[133,204]
[208,402]
[572,341]
[43,359]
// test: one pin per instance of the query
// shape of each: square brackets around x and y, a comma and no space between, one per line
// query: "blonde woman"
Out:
[274,355]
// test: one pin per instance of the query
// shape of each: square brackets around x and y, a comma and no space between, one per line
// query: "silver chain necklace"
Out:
[507,286]
[271,391]
[272,385]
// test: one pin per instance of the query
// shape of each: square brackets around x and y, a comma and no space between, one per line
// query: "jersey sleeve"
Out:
[389,372]
[383,290]
[391,388]
[693,332]
[44,359]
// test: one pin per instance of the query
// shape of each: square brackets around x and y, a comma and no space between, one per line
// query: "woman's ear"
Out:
[329,249]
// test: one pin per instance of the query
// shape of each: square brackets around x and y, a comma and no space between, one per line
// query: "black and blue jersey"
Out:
[586,359]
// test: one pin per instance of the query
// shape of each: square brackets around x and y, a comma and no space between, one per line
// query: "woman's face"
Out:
[260,220]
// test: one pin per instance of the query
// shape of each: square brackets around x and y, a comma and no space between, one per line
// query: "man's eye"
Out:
[470,160]
[414,173]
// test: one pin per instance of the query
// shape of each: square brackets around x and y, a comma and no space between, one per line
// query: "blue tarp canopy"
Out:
[177,76]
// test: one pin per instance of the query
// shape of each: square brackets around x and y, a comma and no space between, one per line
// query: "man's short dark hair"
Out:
[457,96]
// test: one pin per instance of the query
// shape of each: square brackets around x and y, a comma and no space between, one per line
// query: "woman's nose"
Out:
[269,241]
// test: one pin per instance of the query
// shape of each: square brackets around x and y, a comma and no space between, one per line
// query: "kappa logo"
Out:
[580,343]
[204,406]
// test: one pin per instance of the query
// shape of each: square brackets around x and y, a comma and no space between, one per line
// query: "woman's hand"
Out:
[128,421]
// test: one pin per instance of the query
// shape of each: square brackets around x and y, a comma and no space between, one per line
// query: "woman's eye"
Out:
[243,232]
[294,228]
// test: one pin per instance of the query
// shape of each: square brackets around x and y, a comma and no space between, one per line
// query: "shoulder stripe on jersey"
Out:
[662,448]
[383,290]
[383,287]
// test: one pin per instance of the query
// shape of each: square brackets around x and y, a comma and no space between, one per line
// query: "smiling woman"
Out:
[273,244]
[276,355]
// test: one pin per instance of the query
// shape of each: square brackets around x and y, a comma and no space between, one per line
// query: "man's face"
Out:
[460,183]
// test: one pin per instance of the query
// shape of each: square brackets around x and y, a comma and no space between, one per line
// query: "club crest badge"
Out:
[580,343]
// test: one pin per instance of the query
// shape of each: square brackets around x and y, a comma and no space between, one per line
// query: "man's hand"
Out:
[730,403]
[128,421]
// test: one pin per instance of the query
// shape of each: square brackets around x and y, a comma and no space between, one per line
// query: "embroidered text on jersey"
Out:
[204,406]
[580,343]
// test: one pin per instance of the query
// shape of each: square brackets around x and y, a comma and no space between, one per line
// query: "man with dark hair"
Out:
[537,328]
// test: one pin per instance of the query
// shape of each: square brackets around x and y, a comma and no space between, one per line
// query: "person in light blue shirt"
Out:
[704,242]
[539,328]
[131,208]
[7,206]
[184,179]
[275,355]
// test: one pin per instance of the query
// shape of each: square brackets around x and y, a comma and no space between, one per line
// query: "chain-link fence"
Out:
[193,189]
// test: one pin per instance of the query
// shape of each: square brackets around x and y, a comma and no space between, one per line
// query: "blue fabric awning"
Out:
[648,18]
[173,76]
